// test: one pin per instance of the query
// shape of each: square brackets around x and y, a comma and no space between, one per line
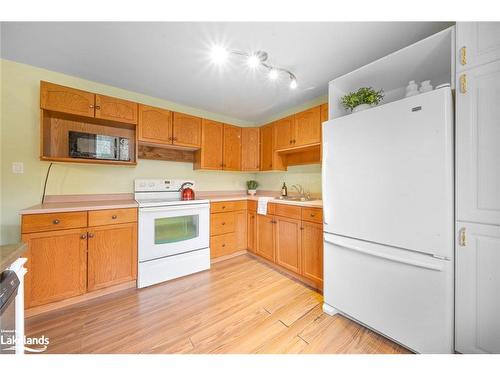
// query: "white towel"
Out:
[262,205]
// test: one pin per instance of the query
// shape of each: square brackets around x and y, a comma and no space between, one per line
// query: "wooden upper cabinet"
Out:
[109,108]
[210,154]
[324,112]
[112,255]
[155,125]
[250,151]
[57,265]
[232,148]
[266,148]
[187,130]
[284,133]
[65,99]
[307,127]
[288,244]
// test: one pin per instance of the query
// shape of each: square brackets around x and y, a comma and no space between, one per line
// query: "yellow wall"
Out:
[20,142]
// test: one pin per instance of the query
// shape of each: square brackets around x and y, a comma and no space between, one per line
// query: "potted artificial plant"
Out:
[252,187]
[362,99]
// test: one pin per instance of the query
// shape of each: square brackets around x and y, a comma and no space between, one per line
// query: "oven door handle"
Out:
[175,208]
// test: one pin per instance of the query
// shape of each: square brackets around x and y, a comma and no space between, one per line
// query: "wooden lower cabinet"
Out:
[288,243]
[66,263]
[112,255]
[312,251]
[251,231]
[241,230]
[57,265]
[265,236]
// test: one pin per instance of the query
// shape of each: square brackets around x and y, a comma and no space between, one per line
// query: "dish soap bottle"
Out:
[284,190]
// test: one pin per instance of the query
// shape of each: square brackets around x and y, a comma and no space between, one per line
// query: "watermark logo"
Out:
[9,342]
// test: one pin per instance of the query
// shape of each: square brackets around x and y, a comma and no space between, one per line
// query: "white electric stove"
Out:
[174,235]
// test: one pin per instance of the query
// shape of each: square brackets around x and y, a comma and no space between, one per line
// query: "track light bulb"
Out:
[293,84]
[273,74]
[219,55]
[253,61]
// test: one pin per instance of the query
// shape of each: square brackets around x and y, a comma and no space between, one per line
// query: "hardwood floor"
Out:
[240,306]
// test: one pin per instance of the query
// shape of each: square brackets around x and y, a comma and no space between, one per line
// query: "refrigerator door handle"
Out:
[393,258]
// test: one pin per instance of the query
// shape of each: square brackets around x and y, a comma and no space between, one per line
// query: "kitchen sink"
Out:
[295,199]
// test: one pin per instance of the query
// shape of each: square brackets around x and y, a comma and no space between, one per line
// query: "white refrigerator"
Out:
[388,199]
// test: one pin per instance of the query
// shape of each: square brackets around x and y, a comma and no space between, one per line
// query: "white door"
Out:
[478,145]
[477,316]
[405,295]
[477,43]
[388,174]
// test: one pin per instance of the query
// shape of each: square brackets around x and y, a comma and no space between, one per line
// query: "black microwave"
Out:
[97,146]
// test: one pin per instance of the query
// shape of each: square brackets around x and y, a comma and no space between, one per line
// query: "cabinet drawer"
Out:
[288,211]
[228,206]
[222,245]
[115,216]
[223,222]
[314,215]
[53,221]
[252,206]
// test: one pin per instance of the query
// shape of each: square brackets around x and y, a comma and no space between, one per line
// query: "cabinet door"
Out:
[324,112]
[67,100]
[307,127]
[284,133]
[312,251]
[109,108]
[265,236]
[57,266]
[210,154]
[251,231]
[266,148]
[288,244]
[478,43]
[250,142]
[478,145]
[112,255]
[477,295]
[155,125]
[232,148]
[241,230]
[187,130]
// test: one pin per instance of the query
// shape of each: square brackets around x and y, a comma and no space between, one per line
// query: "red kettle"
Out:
[187,194]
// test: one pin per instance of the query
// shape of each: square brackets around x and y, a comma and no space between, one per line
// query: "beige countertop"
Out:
[69,203]
[221,197]
[114,201]
[9,254]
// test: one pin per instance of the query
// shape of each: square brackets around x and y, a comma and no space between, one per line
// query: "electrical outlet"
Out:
[18,167]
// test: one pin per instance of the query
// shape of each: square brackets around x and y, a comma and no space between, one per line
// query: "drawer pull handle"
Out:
[83,236]
[223,223]
[223,207]
[91,235]
[114,217]
[223,245]
[55,221]
[312,215]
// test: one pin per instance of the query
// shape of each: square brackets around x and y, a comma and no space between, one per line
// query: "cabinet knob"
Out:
[223,245]
[114,217]
[91,106]
[312,215]
[83,236]
[291,141]
[55,221]
[301,228]
[91,235]
[175,138]
[223,223]
[223,207]
[97,107]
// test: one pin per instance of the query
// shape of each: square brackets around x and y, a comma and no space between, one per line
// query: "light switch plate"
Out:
[17,167]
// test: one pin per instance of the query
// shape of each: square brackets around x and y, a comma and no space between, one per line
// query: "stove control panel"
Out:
[159,184]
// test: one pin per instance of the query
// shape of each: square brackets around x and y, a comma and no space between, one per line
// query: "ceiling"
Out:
[170,60]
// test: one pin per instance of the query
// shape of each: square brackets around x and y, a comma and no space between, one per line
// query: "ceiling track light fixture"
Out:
[254,60]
